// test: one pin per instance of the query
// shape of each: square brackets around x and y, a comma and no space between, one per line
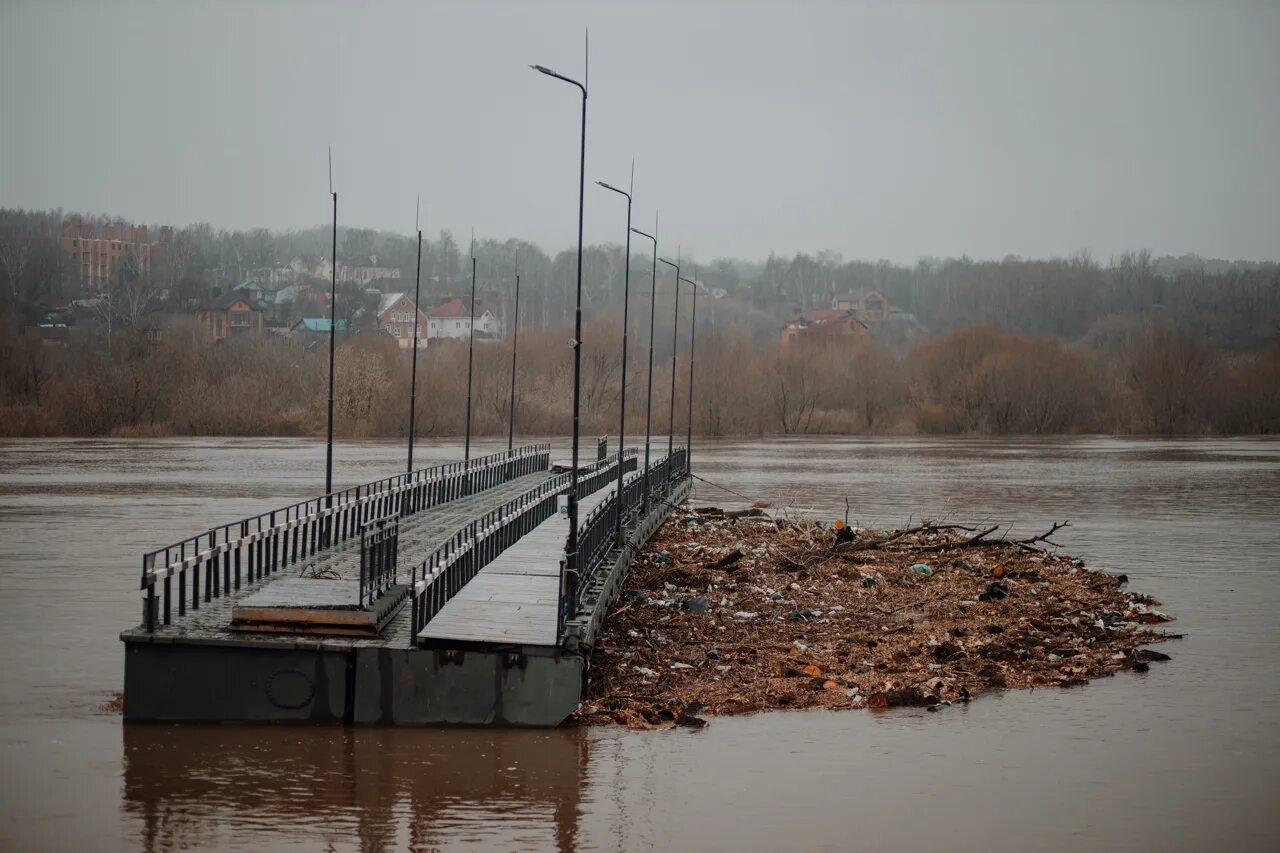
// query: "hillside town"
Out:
[112,261]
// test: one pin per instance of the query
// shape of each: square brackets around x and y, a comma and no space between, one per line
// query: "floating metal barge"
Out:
[440,597]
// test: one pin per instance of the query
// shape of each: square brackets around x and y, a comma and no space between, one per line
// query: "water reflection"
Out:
[369,790]
[1182,758]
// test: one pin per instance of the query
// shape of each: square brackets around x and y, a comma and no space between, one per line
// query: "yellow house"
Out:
[867,304]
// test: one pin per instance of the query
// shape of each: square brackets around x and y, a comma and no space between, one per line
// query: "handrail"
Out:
[444,572]
[261,545]
[596,533]
[379,554]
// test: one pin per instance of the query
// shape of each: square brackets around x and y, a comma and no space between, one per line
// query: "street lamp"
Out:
[471,346]
[626,304]
[648,406]
[413,375]
[333,307]
[675,328]
[571,546]
[515,340]
[693,330]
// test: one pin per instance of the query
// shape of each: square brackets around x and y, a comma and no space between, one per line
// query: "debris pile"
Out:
[733,612]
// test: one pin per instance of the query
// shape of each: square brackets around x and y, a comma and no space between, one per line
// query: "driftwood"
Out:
[979,539]
[1029,544]
[727,560]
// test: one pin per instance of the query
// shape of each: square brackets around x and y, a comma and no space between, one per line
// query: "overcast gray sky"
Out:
[877,130]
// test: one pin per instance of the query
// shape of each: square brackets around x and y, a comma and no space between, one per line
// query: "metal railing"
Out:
[439,577]
[596,537]
[216,562]
[379,553]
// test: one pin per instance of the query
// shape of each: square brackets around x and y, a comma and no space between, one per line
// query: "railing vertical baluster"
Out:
[149,607]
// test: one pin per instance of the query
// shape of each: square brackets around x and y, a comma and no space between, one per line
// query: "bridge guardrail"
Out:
[247,550]
[379,553]
[439,577]
[596,532]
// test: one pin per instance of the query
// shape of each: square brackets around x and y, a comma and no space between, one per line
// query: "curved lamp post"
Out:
[413,374]
[675,328]
[626,304]
[648,406]
[515,340]
[471,348]
[693,330]
[571,546]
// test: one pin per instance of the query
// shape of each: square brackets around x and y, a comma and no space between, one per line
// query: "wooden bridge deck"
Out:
[420,534]
[514,599]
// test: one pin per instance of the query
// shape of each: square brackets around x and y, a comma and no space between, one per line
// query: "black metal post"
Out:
[571,546]
[675,328]
[471,346]
[515,341]
[333,324]
[693,330]
[626,306]
[413,374]
[648,406]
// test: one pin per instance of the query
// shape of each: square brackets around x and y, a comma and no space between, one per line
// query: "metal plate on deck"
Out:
[311,606]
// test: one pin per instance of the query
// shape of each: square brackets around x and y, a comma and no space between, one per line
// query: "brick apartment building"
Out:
[97,251]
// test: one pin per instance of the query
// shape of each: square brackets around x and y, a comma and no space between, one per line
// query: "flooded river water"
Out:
[1181,758]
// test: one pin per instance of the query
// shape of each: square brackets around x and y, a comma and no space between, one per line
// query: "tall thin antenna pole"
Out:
[413,380]
[515,341]
[471,346]
[333,315]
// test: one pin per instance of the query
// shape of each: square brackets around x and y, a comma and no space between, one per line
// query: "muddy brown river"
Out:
[1183,757]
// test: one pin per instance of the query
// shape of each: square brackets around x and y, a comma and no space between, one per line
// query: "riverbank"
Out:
[735,612]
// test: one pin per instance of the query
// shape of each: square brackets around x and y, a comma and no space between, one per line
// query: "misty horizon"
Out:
[871,131]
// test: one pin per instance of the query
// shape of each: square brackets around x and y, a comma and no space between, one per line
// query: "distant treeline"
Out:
[1141,378]
[1233,306]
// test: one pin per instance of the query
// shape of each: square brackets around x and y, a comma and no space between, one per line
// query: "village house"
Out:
[311,266]
[311,331]
[867,304]
[825,325]
[299,300]
[452,319]
[232,315]
[273,277]
[367,272]
[396,316]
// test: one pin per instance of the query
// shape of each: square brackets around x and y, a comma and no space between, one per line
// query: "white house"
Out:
[452,319]
[366,272]
[315,266]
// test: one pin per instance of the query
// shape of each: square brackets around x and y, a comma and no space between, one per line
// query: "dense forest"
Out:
[1136,345]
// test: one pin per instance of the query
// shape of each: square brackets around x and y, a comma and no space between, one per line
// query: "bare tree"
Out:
[794,399]
[16,251]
